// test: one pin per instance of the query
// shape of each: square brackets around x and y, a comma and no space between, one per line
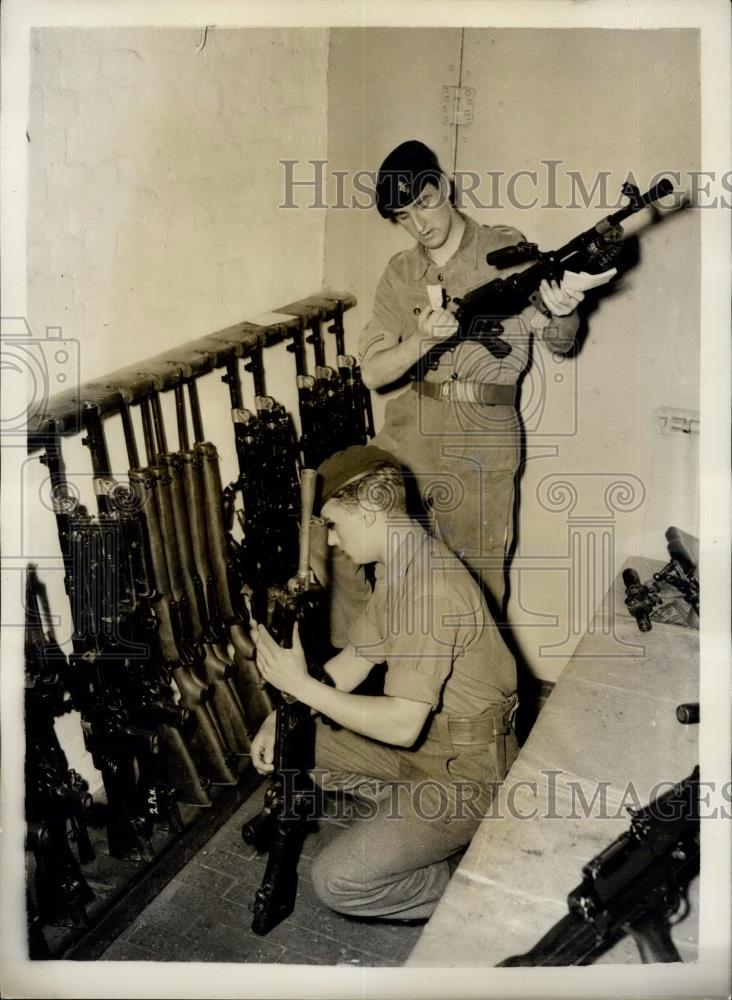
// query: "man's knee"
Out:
[332,887]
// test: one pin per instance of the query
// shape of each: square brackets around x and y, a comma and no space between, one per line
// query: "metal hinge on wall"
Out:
[457,105]
[670,420]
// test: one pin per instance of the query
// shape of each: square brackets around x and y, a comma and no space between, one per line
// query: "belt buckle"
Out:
[445,388]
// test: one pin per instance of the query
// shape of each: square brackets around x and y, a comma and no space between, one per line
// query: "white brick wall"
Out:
[155,167]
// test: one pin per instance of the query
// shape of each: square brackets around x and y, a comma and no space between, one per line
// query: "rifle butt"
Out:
[233,725]
[181,769]
[254,694]
[206,748]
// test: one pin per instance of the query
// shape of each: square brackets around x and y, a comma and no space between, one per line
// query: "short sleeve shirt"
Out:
[428,619]
[401,297]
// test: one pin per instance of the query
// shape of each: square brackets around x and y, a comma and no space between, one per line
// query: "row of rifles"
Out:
[161,670]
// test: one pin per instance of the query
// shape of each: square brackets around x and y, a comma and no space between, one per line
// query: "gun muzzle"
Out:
[638,599]
[688,713]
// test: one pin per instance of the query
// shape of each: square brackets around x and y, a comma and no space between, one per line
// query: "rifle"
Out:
[92,576]
[187,555]
[480,311]
[143,680]
[56,797]
[307,397]
[267,485]
[333,406]
[283,822]
[200,760]
[632,887]
[212,758]
[226,596]
[356,397]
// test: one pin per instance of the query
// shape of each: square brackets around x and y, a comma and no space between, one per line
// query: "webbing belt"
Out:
[489,394]
[491,726]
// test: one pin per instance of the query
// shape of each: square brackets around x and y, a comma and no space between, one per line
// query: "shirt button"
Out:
[416,310]
[440,277]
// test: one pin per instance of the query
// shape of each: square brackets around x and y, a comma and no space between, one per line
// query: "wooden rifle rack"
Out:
[63,413]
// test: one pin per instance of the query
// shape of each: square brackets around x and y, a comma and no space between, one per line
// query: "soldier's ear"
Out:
[369,517]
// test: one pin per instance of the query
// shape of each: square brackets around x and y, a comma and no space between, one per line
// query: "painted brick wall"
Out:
[154,181]
[153,216]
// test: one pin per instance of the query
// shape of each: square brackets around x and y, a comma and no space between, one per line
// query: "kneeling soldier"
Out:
[423,759]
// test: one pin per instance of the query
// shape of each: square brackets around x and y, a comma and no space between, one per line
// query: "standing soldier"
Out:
[456,428]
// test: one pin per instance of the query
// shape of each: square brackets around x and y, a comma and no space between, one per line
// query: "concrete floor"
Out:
[204,913]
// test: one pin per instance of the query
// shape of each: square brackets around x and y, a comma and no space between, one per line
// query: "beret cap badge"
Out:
[403,174]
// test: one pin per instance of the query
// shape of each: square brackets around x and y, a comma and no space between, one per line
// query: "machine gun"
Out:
[480,312]
[633,887]
[681,571]
[282,824]
[644,600]
[56,797]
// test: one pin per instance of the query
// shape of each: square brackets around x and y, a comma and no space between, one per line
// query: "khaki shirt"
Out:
[401,296]
[429,621]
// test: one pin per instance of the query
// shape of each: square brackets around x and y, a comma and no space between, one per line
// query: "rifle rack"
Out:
[62,414]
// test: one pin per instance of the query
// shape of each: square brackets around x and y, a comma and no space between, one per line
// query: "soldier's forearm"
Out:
[347,669]
[391,720]
[382,367]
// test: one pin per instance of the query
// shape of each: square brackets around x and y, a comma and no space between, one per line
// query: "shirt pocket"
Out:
[415,302]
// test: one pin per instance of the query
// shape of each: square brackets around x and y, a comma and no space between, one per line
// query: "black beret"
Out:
[403,174]
[347,466]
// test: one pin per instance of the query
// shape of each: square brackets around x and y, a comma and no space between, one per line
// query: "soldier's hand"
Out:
[560,301]
[284,669]
[437,324]
[263,745]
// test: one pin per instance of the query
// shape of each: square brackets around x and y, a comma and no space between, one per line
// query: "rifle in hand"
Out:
[282,824]
[633,887]
[480,312]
